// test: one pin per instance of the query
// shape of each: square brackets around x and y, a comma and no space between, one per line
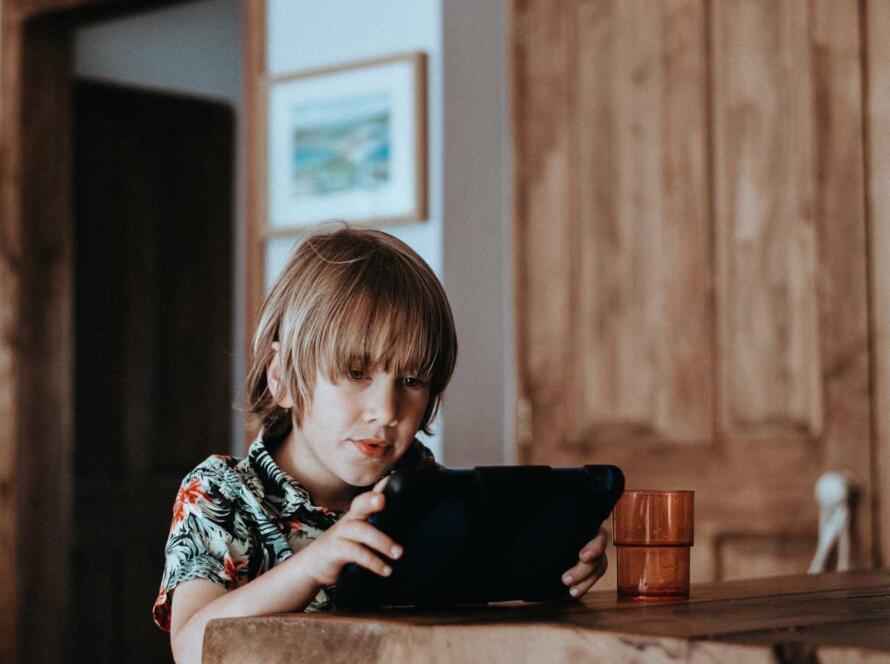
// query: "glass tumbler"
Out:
[653,533]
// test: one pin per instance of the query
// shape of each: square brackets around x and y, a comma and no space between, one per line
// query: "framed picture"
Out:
[348,143]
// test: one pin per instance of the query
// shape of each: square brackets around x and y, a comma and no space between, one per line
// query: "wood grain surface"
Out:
[36,321]
[826,618]
[36,444]
[544,240]
[641,342]
[693,262]
[877,113]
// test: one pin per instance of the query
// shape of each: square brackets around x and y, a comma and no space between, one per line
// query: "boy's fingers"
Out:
[581,570]
[595,547]
[364,533]
[365,504]
[581,588]
[576,573]
[579,585]
[360,555]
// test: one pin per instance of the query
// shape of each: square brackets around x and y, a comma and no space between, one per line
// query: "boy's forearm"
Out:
[286,587]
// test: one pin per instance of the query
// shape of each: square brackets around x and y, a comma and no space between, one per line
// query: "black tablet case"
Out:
[483,535]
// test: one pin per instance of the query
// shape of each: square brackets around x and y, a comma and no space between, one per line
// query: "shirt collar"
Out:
[281,491]
[287,496]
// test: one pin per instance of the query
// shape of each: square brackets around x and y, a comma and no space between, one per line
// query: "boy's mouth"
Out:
[373,448]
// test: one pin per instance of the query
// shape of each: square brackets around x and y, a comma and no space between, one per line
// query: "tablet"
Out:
[483,535]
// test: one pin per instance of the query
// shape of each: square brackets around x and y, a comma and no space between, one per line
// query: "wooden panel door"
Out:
[877,21]
[153,212]
[692,300]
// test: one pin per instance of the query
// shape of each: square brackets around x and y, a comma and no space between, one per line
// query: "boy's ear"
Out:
[273,380]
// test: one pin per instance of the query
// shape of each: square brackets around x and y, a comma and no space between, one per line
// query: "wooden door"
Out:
[692,287]
[153,213]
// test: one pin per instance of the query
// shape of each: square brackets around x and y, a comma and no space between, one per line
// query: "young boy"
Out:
[354,348]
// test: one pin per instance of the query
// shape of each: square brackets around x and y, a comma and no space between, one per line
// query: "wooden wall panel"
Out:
[765,204]
[843,249]
[35,339]
[708,138]
[877,22]
[44,471]
[641,283]
[36,355]
[542,56]
[749,556]
[790,222]
[36,344]
[10,341]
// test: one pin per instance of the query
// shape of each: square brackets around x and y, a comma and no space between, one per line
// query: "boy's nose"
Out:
[381,404]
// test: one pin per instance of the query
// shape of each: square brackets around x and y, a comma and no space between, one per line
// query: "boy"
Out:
[354,348]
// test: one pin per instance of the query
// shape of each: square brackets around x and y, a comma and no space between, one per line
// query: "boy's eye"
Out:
[356,374]
[413,381]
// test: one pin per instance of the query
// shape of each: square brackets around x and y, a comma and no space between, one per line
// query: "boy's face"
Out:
[355,430]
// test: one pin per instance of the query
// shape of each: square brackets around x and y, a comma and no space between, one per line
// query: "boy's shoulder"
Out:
[215,465]
[219,473]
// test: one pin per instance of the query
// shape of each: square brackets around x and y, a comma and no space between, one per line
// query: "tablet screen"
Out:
[483,535]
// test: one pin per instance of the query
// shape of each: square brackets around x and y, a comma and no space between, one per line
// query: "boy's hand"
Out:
[352,540]
[591,566]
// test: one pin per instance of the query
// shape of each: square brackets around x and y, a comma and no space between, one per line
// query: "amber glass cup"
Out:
[653,532]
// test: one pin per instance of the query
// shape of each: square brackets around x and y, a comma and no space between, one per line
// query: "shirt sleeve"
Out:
[201,543]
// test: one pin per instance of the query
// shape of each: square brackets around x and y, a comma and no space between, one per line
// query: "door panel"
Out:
[765,217]
[877,115]
[153,195]
[692,299]
[642,325]
[544,186]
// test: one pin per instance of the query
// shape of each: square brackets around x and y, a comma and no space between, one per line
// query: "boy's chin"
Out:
[367,478]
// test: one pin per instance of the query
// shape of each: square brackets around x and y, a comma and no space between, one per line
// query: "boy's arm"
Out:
[188,599]
[285,587]
[289,586]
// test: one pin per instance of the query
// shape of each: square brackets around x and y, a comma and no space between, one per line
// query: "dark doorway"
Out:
[153,194]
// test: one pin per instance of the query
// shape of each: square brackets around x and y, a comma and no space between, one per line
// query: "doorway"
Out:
[153,178]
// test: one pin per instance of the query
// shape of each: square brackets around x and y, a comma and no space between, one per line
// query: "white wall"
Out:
[196,49]
[467,236]
[306,34]
[477,230]
[192,49]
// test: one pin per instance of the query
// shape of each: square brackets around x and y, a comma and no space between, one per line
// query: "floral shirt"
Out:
[235,518]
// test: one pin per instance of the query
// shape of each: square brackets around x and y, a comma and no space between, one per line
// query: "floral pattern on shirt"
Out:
[236,518]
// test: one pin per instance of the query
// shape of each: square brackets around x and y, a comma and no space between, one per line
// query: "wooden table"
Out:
[807,619]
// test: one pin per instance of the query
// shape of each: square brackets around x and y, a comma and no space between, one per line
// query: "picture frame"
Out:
[347,143]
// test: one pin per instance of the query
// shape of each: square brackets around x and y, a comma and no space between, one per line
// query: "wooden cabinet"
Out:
[693,263]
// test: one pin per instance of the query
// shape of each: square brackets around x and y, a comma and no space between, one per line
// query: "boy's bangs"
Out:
[380,333]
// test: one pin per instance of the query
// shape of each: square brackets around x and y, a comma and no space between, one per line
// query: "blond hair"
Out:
[350,298]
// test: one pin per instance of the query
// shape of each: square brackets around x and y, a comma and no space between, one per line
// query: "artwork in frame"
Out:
[348,143]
